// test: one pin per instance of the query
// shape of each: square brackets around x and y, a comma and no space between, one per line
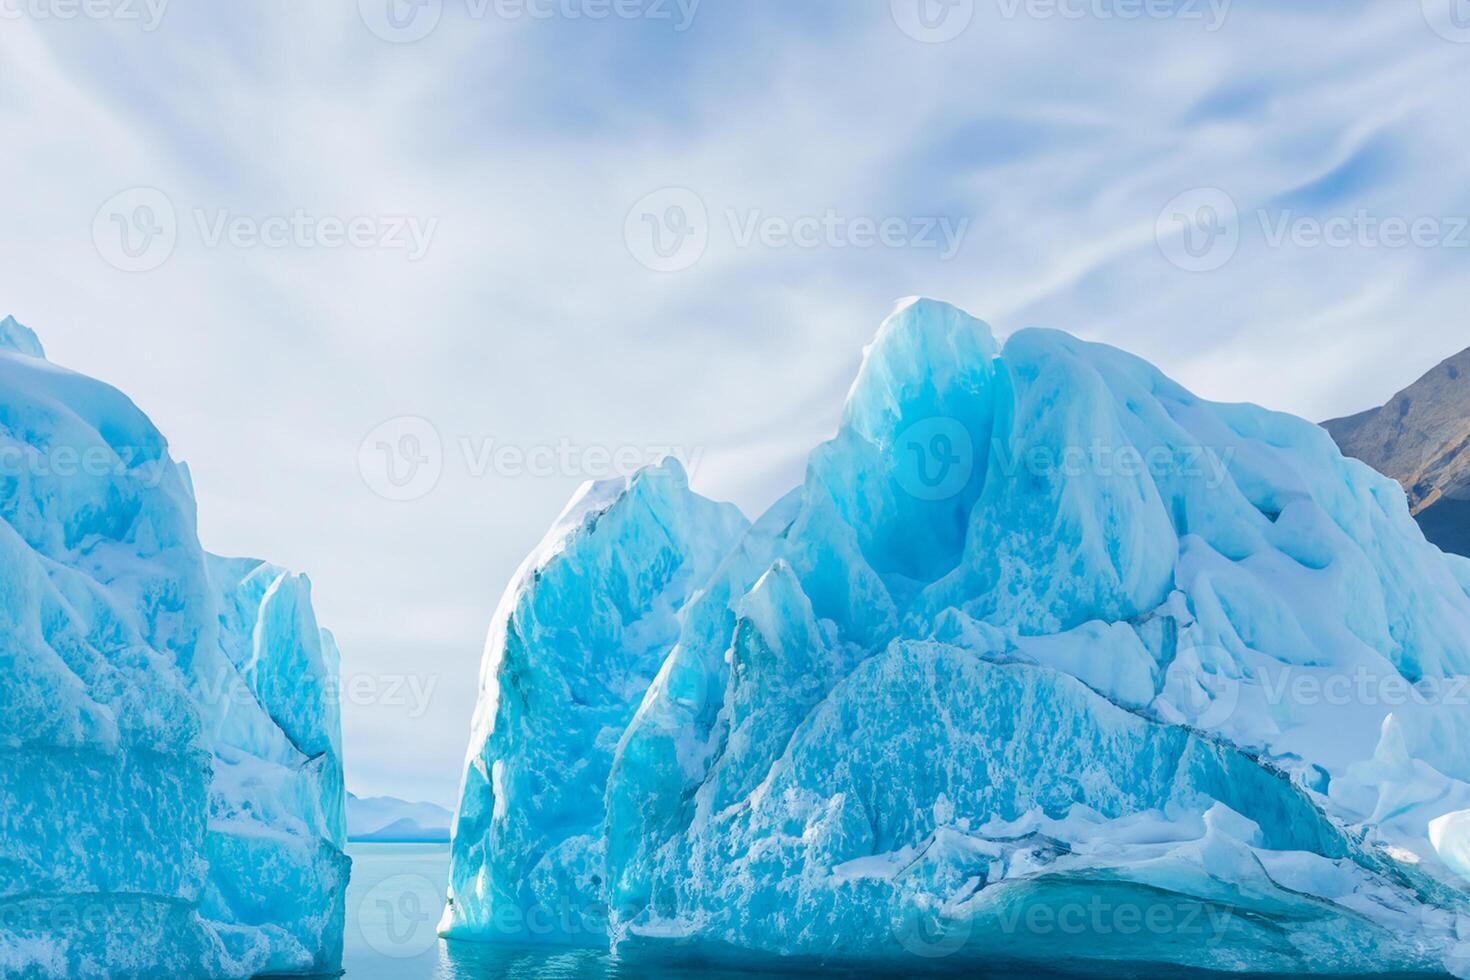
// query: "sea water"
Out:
[394,902]
[396,896]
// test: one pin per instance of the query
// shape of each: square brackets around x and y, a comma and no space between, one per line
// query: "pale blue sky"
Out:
[509,145]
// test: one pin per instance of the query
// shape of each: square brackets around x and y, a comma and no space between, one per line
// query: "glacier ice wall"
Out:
[591,617]
[1047,658]
[170,761]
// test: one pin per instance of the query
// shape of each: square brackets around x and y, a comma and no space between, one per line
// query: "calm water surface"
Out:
[393,904]
[394,901]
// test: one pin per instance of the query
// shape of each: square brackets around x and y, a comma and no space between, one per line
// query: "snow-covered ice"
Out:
[1047,657]
[171,796]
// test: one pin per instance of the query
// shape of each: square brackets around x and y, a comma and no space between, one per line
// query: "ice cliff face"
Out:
[576,643]
[1048,658]
[170,761]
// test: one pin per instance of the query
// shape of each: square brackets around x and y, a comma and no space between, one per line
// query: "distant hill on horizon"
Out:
[1421,438]
[386,819]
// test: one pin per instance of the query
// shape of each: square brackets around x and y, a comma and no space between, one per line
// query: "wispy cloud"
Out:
[268,339]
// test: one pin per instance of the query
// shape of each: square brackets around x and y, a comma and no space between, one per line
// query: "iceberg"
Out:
[576,643]
[1047,661]
[171,797]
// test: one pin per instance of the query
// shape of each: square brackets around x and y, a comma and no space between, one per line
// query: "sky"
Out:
[395,276]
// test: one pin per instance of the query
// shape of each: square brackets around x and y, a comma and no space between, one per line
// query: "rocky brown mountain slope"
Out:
[1422,439]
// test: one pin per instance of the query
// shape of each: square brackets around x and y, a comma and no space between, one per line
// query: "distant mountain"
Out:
[1422,439]
[385,819]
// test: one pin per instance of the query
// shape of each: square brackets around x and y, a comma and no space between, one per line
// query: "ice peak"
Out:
[591,616]
[18,337]
[668,472]
[780,610]
[924,351]
[1027,611]
[663,480]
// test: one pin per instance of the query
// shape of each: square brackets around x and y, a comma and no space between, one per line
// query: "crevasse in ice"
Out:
[171,794]
[1048,659]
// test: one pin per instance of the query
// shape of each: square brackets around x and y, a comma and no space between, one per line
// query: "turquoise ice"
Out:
[171,798]
[1047,658]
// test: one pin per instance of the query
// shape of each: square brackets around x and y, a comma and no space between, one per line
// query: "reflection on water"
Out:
[472,961]
[394,901]
[396,895]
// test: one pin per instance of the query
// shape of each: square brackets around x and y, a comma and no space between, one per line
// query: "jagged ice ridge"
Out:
[1042,638]
[171,799]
